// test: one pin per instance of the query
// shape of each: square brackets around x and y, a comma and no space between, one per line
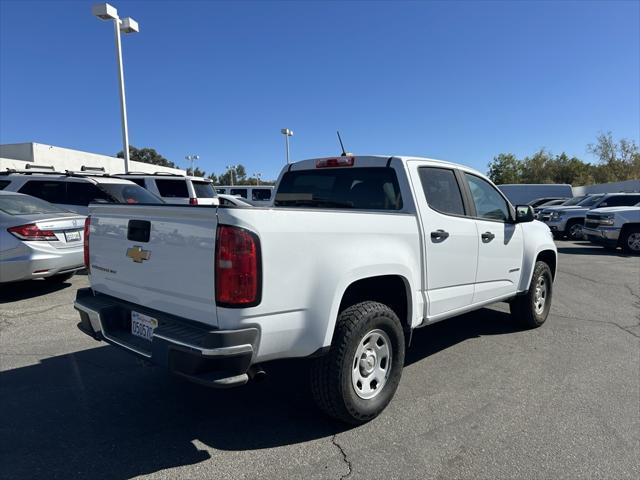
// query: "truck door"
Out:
[501,244]
[450,238]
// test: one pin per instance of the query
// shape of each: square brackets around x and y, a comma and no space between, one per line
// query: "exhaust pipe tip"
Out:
[256,373]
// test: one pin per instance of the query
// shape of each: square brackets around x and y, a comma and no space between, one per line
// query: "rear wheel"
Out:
[357,379]
[60,278]
[533,308]
[630,240]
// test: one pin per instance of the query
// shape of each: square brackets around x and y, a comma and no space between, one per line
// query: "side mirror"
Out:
[524,213]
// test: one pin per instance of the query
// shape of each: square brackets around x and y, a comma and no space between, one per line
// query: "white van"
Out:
[257,195]
[176,189]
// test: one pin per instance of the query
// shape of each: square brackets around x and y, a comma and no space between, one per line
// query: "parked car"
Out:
[74,190]
[38,239]
[550,203]
[176,189]
[568,221]
[521,193]
[544,200]
[614,227]
[257,195]
[341,270]
[233,201]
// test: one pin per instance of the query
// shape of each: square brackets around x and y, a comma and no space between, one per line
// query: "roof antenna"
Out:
[344,153]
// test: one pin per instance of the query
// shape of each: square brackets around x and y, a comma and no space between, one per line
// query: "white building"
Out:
[19,155]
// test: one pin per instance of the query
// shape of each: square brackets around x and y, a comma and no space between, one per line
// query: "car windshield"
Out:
[590,200]
[203,189]
[26,205]
[129,193]
[574,201]
[369,188]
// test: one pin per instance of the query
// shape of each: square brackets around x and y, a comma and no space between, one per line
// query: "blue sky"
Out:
[461,81]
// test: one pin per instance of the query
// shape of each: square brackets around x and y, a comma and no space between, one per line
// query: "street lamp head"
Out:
[287,132]
[129,25]
[105,11]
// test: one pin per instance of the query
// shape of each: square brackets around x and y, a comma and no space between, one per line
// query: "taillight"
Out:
[87,230]
[31,232]
[336,162]
[237,267]
[193,201]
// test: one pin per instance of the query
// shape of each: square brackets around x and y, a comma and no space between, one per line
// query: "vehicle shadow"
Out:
[15,291]
[101,413]
[590,249]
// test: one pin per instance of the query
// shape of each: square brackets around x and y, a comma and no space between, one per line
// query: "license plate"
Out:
[72,236]
[143,325]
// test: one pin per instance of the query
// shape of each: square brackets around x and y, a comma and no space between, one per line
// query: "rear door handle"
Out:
[487,237]
[439,235]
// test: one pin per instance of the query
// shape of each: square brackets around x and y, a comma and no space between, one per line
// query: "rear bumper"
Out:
[198,352]
[29,263]
[602,235]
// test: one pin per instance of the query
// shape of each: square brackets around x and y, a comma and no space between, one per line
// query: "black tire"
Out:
[627,240]
[331,375]
[63,277]
[572,228]
[525,308]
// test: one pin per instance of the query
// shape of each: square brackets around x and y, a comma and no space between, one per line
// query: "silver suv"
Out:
[74,190]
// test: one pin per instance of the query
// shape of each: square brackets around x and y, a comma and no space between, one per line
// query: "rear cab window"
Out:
[203,189]
[366,188]
[3,184]
[172,188]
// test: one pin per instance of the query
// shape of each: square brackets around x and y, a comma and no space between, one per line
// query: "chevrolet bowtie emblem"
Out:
[137,254]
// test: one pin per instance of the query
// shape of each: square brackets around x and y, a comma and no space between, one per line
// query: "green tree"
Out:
[196,172]
[147,155]
[505,168]
[616,160]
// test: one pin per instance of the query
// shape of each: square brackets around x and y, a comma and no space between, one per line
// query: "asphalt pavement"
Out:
[479,398]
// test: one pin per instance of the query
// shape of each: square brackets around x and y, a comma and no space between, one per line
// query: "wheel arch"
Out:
[550,258]
[391,289]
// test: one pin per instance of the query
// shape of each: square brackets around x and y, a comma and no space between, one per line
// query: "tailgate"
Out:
[161,257]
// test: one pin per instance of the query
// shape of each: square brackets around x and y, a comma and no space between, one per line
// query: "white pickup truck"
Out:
[355,253]
[614,227]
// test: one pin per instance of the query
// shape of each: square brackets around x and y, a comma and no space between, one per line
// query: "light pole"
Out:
[231,168]
[126,25]
[257,175]
[287,133]
[192,158]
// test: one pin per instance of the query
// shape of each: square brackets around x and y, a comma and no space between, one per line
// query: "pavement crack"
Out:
[34,312]
[345,459]
[606,322]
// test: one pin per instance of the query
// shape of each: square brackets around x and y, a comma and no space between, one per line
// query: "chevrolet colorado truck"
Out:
[355,253]
[614,227]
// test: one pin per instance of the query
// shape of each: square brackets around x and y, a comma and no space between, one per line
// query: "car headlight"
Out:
[607,220]
[556,215]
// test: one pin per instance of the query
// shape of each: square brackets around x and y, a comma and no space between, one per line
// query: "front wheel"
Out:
[630,240]
[357,379]
[533,308]
[574,230]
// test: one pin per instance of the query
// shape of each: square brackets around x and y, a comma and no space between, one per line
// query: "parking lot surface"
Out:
[479,398]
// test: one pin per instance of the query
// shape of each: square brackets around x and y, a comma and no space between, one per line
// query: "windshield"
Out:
[590,200]
[26,205]
[203,189]
[371,188]
[574,200]
[129,193]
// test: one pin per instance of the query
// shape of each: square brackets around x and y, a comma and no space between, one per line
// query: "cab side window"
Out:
[441,190]
[49,190]
[490,205]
